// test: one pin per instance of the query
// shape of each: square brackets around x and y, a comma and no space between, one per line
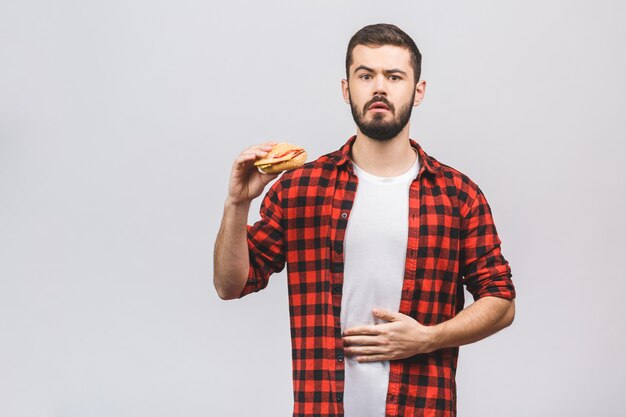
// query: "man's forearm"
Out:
[230,257]
[480,319]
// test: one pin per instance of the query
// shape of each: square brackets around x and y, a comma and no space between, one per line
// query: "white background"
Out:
[119,121]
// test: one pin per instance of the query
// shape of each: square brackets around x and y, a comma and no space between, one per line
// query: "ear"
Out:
[420,91]
[345,91]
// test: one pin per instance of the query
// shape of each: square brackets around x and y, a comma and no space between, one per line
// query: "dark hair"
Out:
[385,34]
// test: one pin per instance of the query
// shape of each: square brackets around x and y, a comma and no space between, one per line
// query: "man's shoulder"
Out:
[449,173]
[452,181]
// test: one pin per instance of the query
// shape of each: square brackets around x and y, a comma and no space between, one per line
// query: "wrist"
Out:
[437,333]
[237,203]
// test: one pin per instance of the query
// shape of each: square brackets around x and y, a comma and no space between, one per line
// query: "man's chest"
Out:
[378,220]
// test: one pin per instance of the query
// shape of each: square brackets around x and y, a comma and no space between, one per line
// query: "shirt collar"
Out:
[426,162]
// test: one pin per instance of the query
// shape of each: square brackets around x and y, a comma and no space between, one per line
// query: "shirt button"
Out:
[339,246]
[344,215]
[340,358]
[336,288]
[339,397]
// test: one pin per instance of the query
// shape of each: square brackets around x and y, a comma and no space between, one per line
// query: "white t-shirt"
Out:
[374,259]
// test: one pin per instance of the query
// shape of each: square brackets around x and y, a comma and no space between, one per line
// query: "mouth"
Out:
[378,106]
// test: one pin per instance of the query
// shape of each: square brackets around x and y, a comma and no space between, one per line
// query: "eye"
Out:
[394,77]
[365,77]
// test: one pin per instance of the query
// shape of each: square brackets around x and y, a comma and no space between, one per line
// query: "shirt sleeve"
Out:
[265,242]
[485,271]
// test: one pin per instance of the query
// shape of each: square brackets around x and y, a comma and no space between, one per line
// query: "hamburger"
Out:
[282,157]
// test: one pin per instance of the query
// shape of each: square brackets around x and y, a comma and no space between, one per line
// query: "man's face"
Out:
[381,90]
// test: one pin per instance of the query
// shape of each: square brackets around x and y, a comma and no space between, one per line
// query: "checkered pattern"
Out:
[452,242]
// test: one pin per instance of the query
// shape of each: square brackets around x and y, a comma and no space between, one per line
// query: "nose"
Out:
[380,87]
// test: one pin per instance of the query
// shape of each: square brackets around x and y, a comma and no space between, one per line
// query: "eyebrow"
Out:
[394,70]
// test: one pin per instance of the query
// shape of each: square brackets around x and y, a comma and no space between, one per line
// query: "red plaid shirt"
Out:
[452,242]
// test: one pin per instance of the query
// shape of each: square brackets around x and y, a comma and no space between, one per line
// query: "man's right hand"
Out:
[246,181]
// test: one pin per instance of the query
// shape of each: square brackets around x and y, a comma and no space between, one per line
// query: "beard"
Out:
[378,128]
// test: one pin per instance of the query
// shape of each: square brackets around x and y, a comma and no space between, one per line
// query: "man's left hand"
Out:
[401,338]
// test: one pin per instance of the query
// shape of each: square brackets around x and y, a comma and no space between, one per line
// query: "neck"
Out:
[384,158]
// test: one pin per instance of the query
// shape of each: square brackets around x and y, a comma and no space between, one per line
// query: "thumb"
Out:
[266,178]
[386,314]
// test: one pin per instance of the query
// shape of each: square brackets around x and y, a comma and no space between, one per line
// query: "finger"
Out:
[244,159]
[362,341]
[265,146]
[249,157]
[253,151]
[266,178]
[387,315]
[362,330]
[365,350]
[373,358]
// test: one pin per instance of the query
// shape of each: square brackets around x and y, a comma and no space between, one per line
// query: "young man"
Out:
[379,239]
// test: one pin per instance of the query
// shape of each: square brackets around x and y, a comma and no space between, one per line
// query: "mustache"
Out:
[377,99]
